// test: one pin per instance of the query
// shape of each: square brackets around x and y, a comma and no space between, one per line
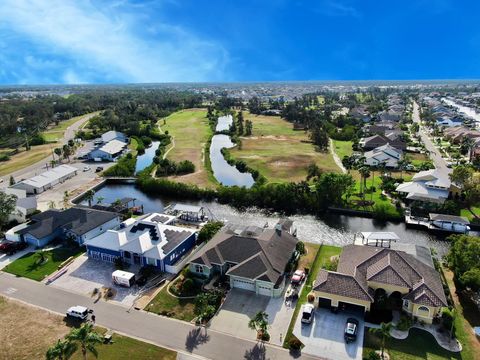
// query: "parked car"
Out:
[298,277]
[86,168]
[11,247]
[79,312]
[99,168]
[351,330]
[308,313]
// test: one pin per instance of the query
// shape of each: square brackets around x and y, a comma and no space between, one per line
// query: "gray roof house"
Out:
[114,135]
[109,151]
[80,224]
[429,186]
[372,142]
[385,154]
[253,258]
[363,272]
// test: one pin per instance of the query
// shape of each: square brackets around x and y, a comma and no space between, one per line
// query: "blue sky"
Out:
[132,41]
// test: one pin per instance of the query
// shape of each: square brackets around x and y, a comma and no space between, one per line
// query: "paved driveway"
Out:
[237,310]
[84,275]
[324,337]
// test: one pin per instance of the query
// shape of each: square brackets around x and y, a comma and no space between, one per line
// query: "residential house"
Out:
[375,141]
[78,224]
[364,272]
[360,112]
[108,152]
[386,154]
[114,135]
[458,133]
[446,121]
[46,180]
[389,116]
[429,186]
[253,258]
[148,240]
[24,206]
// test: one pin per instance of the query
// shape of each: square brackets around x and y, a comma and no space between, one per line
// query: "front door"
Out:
[136,259]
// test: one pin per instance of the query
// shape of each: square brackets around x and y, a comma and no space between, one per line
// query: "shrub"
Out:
[119,263]
[447,318]
[4,157]
[371,355]
[311,298]
[294,344]
[208,231]
[123,168]
[405,323]
[185,167]
[187,285]
[300,247]
[38,139]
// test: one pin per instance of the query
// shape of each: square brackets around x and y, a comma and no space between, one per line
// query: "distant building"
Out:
[46,180]
[25,205]
[108,152]
[428,186]
[114,135]
[375,141]
[78,224]
[385,154]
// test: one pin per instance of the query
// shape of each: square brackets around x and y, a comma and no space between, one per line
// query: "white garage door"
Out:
[263,290]
[244,284]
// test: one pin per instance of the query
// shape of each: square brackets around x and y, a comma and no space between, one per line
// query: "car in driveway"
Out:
[351,330]
[11,247]
[99,168]
[308,313]
[86,168]
[298,277]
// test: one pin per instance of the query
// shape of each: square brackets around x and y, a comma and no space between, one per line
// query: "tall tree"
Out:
[87,338]
[259,323]
[240,121]
[89,195]
[384,332]
[62,350]
[248,127]
[7,207]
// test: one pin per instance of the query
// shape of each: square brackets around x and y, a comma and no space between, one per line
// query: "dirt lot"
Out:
[19,323]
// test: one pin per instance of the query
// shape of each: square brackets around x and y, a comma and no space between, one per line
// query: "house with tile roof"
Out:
[365,271]
[253,258]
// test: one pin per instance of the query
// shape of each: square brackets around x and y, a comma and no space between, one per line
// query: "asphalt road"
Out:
[166,332]
[435,154]
[39,166]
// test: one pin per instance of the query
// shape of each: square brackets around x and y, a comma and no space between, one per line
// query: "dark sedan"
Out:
[351,330]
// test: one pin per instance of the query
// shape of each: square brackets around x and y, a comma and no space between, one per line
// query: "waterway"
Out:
[468,112]
[225,173]
[146,158]
[331,229]
[224,122]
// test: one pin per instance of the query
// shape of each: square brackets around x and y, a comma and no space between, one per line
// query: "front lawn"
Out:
[29,266]
[322,257]
[168,305]
[343,148]
[125,348]
[418,345]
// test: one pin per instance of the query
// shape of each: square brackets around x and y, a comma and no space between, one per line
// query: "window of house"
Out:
[127,255]
[151,261]
[199,269]
[423,309]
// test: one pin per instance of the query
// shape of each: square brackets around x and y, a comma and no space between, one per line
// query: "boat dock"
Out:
[440,222]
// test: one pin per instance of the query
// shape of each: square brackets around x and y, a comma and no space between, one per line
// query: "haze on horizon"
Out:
[135,41]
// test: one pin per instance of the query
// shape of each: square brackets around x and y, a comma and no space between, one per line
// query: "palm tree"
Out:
[89,196]
[384,332]
[259,323]
[62,350]
[51,204]
[364,173]
[66,199]
[86,338]
[67,151]
[100,199]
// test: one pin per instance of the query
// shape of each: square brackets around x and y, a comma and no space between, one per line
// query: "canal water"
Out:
[225,173]
[223,123]
[468,112]
[331,229]
[146,158]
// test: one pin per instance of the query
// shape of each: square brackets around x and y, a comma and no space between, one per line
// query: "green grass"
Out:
[191,132]
[125,348]
[278,152]
[27,266]
[168,305]
[323,256]
[343,148]
[468,214]
[418,345]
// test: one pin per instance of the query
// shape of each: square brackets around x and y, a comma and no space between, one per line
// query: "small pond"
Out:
[224,122]
[146,158]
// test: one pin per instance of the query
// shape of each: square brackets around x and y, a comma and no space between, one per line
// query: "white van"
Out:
[123,278]
[79,312]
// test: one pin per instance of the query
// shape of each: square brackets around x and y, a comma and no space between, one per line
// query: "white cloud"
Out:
[102,40]
[338,8]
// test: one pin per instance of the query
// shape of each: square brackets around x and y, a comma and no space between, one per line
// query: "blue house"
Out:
[148,240]
[79,224]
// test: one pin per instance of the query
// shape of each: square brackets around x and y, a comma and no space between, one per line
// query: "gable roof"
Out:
[259,254]
[382,265]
